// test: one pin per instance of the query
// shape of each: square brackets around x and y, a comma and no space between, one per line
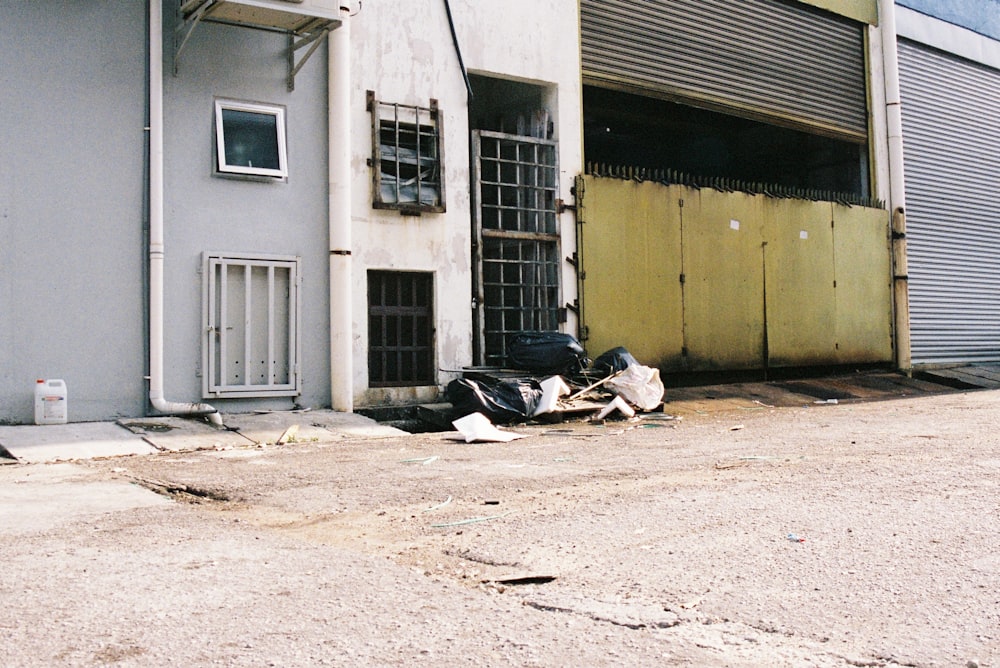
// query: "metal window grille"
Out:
[406,156]
[518,240]
[251,318]
[400,329]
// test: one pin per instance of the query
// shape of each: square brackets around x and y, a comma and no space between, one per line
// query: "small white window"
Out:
[250,139]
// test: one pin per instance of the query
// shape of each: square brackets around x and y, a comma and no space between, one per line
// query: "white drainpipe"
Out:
[341,283]
[897,190]
[893,110]
[156,229]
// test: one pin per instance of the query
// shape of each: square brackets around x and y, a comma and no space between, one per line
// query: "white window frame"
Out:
[278,112]
[258,335]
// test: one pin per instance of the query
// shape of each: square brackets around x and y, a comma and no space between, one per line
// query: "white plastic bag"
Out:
[639,385]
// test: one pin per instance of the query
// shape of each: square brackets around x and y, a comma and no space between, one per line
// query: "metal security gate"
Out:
[951,137]
[517,240]
[771,60]
[817,292]
[251,325]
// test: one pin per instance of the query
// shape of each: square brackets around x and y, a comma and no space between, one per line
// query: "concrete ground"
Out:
[850,521]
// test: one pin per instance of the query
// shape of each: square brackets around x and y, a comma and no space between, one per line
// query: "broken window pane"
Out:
[407,157]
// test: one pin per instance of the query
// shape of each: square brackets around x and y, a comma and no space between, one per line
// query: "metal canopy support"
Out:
[312,41]
[303,30]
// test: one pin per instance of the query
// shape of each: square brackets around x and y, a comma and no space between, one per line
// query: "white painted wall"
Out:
[404,52]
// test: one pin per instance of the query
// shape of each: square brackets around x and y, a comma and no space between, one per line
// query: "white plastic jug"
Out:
[51,402]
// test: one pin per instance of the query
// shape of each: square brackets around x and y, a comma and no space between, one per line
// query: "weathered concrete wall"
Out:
[404,52]
[71,205]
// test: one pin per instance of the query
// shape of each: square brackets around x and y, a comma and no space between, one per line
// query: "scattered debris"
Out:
[504,396]
[477,428]
[288,435]
[693,603]
[640,386]
[440,505]
[593,386]
[502,401]
[737,427]
[795,538]
[611,361]
[552,389]
[471,520]
[420,460]
[618,404]
[523,580]
[546,353]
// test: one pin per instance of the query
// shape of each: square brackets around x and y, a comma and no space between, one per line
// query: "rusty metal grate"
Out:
[406,156]
[518,240]
[400,329]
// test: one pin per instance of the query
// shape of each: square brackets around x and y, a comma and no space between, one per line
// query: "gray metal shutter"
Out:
[766,59]
[951,144]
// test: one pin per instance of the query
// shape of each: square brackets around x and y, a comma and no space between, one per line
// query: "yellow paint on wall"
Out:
[864,284]
[865,11]
[631,242]
[699,280]
[723,286]
[801,308]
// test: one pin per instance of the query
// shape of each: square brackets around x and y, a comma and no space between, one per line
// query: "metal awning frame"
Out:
[310,34]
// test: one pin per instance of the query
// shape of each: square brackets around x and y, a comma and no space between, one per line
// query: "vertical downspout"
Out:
[897,192]
[156,247]
[341,285]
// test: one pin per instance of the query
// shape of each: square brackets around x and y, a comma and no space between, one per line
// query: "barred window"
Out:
[406,157]
[400,328]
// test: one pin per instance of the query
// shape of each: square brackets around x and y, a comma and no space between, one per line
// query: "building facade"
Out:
[230,205]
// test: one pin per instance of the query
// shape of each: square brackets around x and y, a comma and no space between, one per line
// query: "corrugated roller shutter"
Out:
[951,144]
[779,61]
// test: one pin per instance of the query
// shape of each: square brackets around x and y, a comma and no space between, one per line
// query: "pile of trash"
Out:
[550,377]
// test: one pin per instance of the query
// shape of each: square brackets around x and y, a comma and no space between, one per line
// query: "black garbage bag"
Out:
[502,401]
[613,361]
[548,353]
